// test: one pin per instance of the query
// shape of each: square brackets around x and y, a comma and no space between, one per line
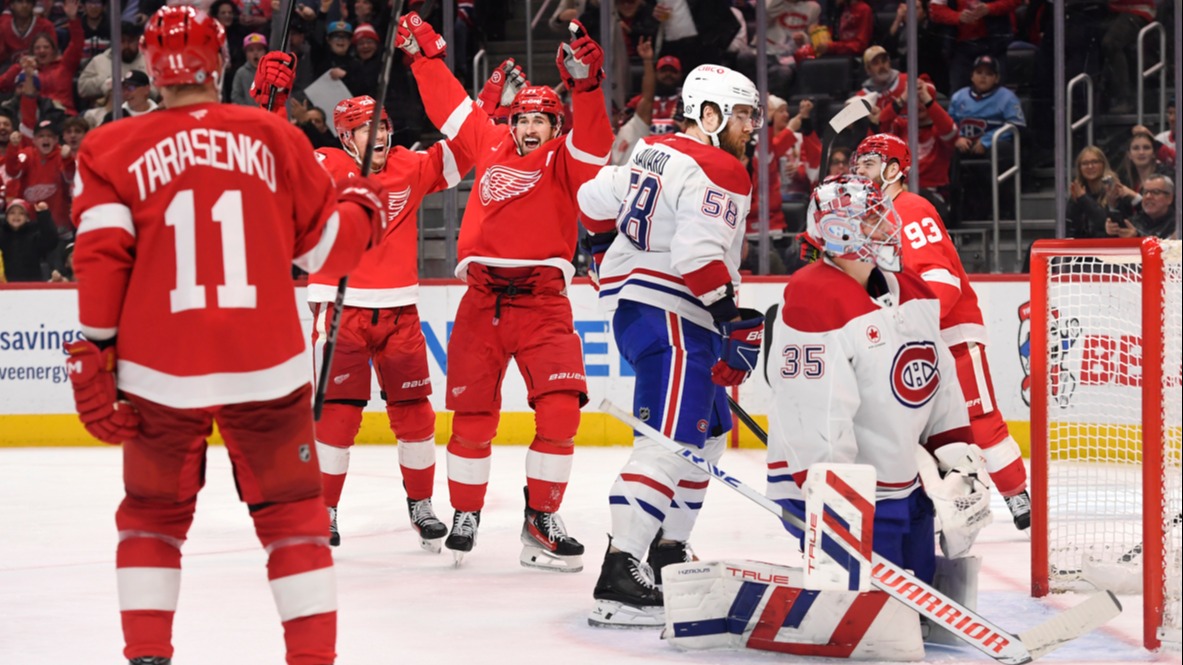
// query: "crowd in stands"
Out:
[56,84]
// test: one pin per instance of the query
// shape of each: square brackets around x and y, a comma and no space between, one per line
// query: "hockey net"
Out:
[1106,418]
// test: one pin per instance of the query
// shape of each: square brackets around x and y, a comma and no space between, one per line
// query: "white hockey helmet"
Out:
[724,87]
[849,218]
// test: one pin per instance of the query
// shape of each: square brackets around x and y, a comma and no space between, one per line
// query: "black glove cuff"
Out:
[724,309]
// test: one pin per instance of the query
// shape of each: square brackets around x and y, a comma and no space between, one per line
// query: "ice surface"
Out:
[397,603]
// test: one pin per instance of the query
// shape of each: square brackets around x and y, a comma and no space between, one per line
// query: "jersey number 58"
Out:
[638,208]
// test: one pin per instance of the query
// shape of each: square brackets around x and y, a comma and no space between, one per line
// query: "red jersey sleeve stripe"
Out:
[451,126]
[314,259]
[585,157]
[107,216]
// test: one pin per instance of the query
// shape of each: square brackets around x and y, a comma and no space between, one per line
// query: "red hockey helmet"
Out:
[537,99]
[349,114]
[888,147]
[183,46]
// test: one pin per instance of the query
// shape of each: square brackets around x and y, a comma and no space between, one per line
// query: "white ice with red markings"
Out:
[398,604]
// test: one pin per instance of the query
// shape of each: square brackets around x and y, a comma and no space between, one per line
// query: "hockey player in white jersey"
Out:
[859,374]
[668,279]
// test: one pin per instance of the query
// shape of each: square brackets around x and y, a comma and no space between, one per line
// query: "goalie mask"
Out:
[183,46]
[723,87]
[887,147]
[849,218]
[353,113]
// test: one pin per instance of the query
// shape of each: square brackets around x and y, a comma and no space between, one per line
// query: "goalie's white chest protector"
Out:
[857,379]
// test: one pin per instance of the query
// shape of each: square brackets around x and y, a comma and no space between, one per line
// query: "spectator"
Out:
[18,27]
[938,134]
[839,162]
[24,244]
[1093,194]
[883,84]
[7,126]
[364,12]
[789,25]
[226,12]
[975,28]
[255,15]
[73,131]
[96,28]
[634,124]
[54,72]
[1126,19]
[95,80]
[851,28]
[798,147]
[137,98]
[982,107]
[298,44]
[38,173]
[332,54]
[1157,217]
[311,120]
[667,92]
[1167,137]
[697,32]
[1139,161]
[565,12]
[366,68]
[254,46]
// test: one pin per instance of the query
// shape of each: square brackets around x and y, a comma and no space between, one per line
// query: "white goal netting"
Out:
[1099,508]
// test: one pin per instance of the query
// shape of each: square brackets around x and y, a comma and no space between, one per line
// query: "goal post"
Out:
[1106,363]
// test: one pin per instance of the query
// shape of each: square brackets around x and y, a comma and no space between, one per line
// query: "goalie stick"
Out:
[968,625]
[388,50]
[1130,554]
[855,110]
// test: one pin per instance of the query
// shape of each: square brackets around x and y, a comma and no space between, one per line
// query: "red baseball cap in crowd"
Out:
[670,61]
[254,39]
[365,31]
[21,203]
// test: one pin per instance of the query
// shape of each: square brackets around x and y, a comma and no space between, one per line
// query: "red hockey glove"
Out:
[504,84]
[367,193]
[419,39]
[92,374]
[277,71]
[580,63]
[741,348]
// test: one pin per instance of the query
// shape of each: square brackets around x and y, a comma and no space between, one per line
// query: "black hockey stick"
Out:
[322,382]
[747,419]
[895,581]
[855,110]
[280,42]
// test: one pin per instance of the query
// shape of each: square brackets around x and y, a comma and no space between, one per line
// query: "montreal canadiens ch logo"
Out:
[500,183]
[914,374]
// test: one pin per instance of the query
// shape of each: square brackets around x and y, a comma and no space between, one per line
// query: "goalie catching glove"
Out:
[503,85]
[277,71]
[419,39]
[367,193]
[92,375]
[961,496]
[580,63]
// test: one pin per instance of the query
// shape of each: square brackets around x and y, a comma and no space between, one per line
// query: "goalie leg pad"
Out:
[641,495]
[753,605]
[957,579]
[839,503]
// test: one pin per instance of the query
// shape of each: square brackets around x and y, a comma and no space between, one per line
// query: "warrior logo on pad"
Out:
[914,374]
[500,183]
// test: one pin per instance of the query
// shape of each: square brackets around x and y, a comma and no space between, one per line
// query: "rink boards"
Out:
[36,407]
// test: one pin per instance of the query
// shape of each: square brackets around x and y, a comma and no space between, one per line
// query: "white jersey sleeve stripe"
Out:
[975,356]
[452,126]
[107,216]
[313,260]
[451,171]
[585,157]
[941,276]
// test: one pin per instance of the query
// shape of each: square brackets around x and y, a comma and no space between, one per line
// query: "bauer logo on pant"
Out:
[914,374]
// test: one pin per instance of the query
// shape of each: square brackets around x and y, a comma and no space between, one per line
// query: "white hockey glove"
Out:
[960,495]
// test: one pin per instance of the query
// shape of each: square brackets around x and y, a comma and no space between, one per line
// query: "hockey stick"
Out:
[855,110]
[1130,554]
[322,381]
[975,630]
[280,42]
[747,420]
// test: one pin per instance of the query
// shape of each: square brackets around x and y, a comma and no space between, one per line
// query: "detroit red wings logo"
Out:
[915,376]
[501,182]
[396,201]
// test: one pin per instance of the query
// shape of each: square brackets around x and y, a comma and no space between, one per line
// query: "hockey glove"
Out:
[961,499]
[277,71]
[596,245]
[741,348]
[419,39]
[501,88]
[92,374]
[580,63]
[367,193]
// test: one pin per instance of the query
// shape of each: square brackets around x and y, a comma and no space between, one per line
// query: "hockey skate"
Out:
[429,527]
[546,545]
[150,660]
[664,554]
[334,534]
[463,536]
[1020,509]
[626,596]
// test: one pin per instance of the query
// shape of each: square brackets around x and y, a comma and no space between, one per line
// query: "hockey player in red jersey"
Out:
[188,317]
[380,322]
[929,252]
[516,240]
